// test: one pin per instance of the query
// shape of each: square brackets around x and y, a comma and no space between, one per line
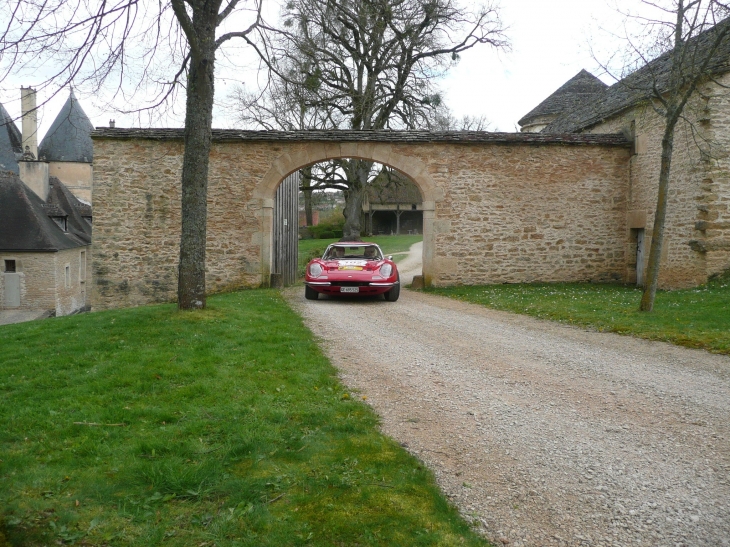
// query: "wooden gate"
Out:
[286,231]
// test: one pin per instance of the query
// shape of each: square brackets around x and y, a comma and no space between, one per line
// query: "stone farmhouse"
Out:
[45,210]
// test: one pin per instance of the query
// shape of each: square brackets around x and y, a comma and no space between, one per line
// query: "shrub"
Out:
[329,226]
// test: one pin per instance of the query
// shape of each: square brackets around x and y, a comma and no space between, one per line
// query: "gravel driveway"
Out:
[543,434]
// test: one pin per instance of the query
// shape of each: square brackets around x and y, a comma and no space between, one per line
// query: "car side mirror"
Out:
[389,257]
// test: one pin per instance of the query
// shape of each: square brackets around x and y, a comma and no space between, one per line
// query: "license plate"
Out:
[358,268]
[349,289]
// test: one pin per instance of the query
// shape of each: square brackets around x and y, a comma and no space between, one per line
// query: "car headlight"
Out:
[315,270]
[386,270]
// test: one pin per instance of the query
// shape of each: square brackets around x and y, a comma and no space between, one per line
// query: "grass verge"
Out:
[311,248]
[697,318]
[226,426]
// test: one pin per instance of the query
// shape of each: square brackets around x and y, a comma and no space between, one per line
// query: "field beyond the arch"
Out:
[696,318]
[224,427]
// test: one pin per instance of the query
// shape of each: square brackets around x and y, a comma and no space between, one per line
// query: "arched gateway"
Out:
[498,207]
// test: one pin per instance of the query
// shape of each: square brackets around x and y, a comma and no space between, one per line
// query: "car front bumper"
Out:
[364,288]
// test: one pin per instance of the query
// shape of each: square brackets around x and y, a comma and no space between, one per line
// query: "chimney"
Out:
[112,124]
[30,119]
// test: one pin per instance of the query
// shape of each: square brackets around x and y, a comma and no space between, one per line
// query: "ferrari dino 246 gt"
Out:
[352,268]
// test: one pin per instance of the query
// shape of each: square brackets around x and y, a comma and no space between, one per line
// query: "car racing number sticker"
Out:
[351,265]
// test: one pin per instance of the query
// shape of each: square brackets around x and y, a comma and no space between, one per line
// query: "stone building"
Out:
[44,247]
[697,234]
[45,225]
[393,205]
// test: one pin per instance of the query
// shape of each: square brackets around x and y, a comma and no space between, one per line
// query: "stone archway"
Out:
[287,163]
[497,207]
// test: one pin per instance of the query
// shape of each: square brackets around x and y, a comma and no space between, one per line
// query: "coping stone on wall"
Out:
[405,137]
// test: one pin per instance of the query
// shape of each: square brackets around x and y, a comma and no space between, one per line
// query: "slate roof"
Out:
[69,138]
[572,94]
[460,137]
[26,225]
[61,198]
[637,86]
[11,142]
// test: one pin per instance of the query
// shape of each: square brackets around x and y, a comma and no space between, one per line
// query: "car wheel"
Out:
[310,293]
[393,294]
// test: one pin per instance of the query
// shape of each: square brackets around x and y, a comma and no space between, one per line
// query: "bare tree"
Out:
[373,64]
[684,39]
[284,105]
[446,121]
[110,43]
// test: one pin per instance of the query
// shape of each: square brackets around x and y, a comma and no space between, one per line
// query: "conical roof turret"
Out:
[11,142]
[69,138]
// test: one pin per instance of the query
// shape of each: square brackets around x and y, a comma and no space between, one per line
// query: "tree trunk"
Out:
[198,121]
[352,212]
[357,176]
[657,236]
[306,174]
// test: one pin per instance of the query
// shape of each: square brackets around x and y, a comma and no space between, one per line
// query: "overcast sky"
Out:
[550,41]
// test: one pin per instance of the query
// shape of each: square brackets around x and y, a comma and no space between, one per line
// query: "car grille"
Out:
[350,283]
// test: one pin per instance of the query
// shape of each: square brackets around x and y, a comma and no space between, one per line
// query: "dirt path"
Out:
[411,265]
[543,434]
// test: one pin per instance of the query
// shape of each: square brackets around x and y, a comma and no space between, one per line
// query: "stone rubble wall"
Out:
[515,214]
[503,212]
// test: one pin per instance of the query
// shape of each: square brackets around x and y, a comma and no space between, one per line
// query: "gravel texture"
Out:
[543,434]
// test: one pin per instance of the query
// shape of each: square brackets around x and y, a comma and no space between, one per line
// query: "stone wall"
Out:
[37,279]
[43,280]
[538,209]
[70,287]
[529,213]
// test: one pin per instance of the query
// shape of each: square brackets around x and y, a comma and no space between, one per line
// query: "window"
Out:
[10,266]
[82,267]
[68,275]
[62,223]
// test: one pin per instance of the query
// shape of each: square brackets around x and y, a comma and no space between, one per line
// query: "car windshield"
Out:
[356,252]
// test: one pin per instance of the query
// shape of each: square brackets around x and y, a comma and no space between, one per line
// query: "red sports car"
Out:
[354,268]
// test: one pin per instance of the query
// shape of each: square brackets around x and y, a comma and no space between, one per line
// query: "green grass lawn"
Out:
[698,318]
[311,248]
[227,426]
